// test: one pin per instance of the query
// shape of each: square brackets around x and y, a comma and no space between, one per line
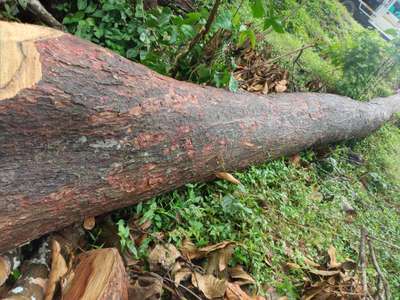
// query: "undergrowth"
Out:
[285,213]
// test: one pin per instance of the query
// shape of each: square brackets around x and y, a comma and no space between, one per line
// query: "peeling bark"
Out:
[92,132]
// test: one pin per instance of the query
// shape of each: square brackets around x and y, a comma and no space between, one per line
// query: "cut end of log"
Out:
[99,275]
[19,59]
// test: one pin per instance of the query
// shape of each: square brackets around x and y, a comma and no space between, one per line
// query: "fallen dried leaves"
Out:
[334,281]
[255,74]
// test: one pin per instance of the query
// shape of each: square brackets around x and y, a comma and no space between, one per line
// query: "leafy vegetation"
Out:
[283,212]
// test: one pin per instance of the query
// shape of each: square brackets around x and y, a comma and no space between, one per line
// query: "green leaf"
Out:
[192,17]
[224,20]
[23,3]
[139,10]
[247,35]
[82,4]
[233,84]
[275,23]
[257,9]
[236,20]
[188,31]
[91,8]
[75,18]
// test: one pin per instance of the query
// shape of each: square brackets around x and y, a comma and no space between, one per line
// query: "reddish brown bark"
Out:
[98,132]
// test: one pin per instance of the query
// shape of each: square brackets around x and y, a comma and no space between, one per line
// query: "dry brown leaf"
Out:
[234,292]
[333,264]
[225,255]
[310,263]
[293,266]
[281,86]
[256,88]
[209,285]
[266,88]
[325,273]
[227,176]
[89,223]
[240,276]
[190,251]
[182,275]
[295,160]
[163,256]
[58,269]
[146,287]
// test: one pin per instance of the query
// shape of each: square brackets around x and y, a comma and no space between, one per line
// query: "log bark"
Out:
[84,131]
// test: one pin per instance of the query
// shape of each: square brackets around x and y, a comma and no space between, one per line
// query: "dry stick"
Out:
[38,9]
[362,262]
[294,13]
[199,36]
[378,269]
[272,60]
[384,242]
[184,287]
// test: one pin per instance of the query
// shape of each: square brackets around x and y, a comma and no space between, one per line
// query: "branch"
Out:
[199,36]
[272,60]
[363,263]
[40,11]
[378,270]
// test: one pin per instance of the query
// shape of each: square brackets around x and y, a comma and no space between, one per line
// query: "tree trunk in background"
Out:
[84,131]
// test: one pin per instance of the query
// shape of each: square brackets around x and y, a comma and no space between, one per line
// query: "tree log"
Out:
[84,131]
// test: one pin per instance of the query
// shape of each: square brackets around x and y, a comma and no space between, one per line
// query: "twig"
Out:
[294,13]
[272,60]
[38,9]
[184,287]
[362,262]
[238,8]
[384,242]
[199,36]
[378,270]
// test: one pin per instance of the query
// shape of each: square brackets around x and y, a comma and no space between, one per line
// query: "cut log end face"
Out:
[100,275]
[19,59]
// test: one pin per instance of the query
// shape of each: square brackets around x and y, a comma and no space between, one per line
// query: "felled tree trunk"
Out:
[84,131]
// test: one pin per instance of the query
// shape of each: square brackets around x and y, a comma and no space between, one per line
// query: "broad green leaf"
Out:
[224,20]
[82,4]
[188,31]
[75,18]
[23,3]
[257,8]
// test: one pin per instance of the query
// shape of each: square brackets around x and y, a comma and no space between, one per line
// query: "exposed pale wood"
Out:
[19,60]
[93,132]
[100,275]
